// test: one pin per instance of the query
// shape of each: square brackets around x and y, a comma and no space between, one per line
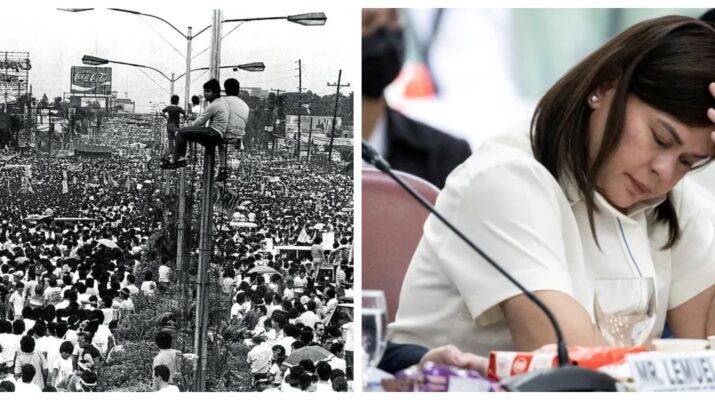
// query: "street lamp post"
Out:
[207,204]
[205,243]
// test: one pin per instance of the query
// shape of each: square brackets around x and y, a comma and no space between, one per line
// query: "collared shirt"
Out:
[237,116]
[170,358]
[308,318]
[260,358]
[537,229]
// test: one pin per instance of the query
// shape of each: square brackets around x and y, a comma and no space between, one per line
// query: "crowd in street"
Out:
[294,226]
[72,270]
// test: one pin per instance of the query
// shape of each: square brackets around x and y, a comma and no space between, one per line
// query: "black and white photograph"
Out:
[176,198]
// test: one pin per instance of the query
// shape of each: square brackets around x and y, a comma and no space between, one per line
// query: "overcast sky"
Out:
[57,41]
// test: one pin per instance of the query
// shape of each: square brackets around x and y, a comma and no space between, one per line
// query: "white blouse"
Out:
[517,213]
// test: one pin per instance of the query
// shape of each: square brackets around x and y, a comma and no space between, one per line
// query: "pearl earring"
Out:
[594,99]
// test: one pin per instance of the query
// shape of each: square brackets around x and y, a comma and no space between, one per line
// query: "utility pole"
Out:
[273,134]
[50,131]
[171,86]
[167,173]
[182,177]
[335,114]
[261,141]
[28,125]
[300,105]
[7,83]
[310,134]
[202,293]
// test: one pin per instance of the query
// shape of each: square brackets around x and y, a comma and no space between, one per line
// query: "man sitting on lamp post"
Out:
[216,114]
[238,116]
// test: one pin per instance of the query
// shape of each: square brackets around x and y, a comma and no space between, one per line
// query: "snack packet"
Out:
[439,378]
[503,364]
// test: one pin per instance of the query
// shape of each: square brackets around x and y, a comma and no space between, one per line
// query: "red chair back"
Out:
[392,224]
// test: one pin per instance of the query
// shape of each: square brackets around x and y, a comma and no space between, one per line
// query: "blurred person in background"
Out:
[408,145]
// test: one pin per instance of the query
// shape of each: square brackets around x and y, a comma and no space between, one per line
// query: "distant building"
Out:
[124,105]
[255,91]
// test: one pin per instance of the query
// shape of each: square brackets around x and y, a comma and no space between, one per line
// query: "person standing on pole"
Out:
[237,119]
[216,114]
[172,113]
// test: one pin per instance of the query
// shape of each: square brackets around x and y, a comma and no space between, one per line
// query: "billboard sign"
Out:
[15,63]
[92,80]
[93,102]
[14,74]
[321,124]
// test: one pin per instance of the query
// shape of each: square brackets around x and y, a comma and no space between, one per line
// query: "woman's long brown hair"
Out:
[667,62]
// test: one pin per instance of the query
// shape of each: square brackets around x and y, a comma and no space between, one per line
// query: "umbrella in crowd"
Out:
[312,353]
[108,243]
[262,269]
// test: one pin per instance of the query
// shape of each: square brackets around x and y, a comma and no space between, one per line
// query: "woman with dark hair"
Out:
[598,189]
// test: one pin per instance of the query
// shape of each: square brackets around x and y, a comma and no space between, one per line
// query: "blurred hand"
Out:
[452,356]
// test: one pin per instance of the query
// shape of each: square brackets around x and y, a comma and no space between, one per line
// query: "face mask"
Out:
[383,53]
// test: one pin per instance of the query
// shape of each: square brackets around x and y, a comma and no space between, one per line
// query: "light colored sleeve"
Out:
[204,117]
[693,257]
[512,212]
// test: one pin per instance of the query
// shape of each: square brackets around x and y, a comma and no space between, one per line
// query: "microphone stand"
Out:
[564,378]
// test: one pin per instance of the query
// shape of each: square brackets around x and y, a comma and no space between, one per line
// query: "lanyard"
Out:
[623,234]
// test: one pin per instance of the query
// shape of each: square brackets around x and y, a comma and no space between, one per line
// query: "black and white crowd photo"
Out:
[176,198]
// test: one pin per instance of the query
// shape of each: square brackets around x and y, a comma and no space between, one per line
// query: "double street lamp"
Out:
[94,61]
[307,19]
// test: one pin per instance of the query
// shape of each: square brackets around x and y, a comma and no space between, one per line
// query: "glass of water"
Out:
[374,325]
[625,309]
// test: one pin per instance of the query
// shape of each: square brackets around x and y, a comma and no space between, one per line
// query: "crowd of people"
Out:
[73,259]
[291,305]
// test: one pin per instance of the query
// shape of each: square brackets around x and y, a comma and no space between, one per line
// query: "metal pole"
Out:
[182,179]
[7,83]
[187,75]
[28,125]
[310,134]
[167,173]
[300,104]
[172,84]
[17,104]
[49,134]
[206,224]
[335,114]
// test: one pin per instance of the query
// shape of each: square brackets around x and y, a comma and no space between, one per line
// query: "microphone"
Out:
[565,378]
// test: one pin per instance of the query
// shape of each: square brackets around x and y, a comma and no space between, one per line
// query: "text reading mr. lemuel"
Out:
[674,371]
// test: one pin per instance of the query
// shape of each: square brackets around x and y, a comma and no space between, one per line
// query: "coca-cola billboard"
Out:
[92,80]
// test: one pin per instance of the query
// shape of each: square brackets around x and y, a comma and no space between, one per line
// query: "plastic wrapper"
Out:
[439,378]
[503,364]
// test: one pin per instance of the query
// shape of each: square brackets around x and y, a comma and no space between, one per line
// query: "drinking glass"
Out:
[374,325]
[625,309]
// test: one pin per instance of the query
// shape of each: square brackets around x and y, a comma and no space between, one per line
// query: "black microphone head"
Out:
[368,152]
[373,157]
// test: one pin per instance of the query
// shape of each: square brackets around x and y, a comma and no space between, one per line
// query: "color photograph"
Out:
[538,200]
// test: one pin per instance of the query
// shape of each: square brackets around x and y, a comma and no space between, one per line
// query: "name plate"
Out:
[673,371]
